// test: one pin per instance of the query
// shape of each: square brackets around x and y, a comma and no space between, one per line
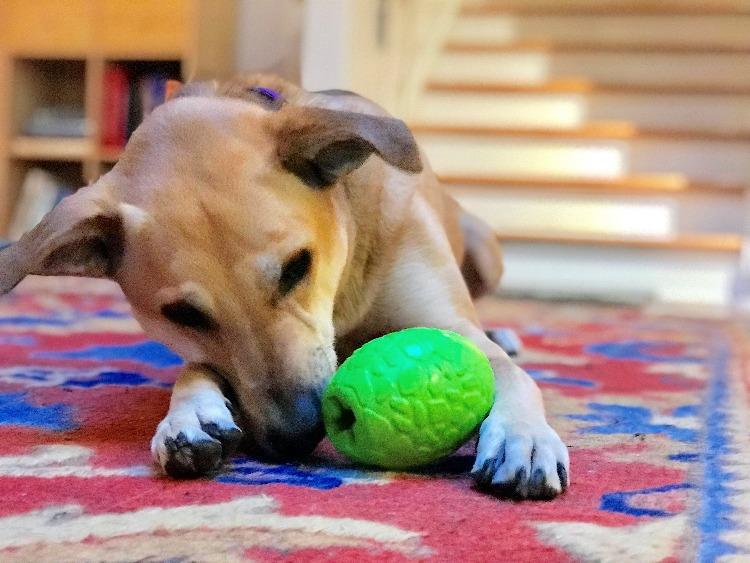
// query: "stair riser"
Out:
[505,110]
[607,272]
[483,156]
[609,68]
[586,158]
[701,161]
[729,31]
[729,114]
[603,214]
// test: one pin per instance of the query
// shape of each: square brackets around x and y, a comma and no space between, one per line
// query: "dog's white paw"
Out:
[520,459]
[196,436]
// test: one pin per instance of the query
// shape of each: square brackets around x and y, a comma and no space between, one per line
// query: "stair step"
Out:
[598,212]
[540,109]
[713,242]
[614,130]
[595,47]
[483,156]
[595,155]
[679,270]
[607,142]
[670,184]
[535,67]
[584,86]
[611,7]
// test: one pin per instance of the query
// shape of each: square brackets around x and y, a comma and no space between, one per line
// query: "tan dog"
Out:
[259,237]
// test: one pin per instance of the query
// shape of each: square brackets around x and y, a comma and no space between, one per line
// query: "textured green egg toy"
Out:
[408,398]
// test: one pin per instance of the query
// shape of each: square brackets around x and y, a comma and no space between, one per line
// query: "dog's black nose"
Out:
[301,427]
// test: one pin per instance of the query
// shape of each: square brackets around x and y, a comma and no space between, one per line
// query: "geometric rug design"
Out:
[653,408]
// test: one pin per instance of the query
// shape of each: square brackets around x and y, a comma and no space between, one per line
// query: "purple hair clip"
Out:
[272,95]
[269,97]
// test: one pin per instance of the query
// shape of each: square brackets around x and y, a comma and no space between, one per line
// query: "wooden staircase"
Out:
[607,142]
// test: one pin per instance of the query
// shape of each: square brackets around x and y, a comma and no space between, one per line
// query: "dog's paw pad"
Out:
[195,439]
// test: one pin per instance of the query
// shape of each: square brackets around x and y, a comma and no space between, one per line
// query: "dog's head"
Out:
[224,224]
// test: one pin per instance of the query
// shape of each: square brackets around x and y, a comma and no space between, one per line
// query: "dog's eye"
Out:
[294,271]
[185,314]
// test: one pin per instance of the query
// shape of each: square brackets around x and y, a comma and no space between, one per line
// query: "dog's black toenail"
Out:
[520,483]
[174,444]
[506,339]
[230,437]
[563,474]
[490,466]
[500,457]
[212,429]
[537,483]
[484,475]
[547,493]
[230,434]
[230,408]
[514,488]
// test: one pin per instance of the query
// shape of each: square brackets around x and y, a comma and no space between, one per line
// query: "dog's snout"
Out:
[301,427]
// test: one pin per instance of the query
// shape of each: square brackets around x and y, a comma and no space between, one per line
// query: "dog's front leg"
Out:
[199,432]
[518,453]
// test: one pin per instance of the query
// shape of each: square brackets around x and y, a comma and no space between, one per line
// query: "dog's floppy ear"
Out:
[321,145]
[82,236]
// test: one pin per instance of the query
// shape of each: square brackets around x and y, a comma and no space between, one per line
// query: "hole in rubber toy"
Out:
[341,421]
[346,420]
[343,418]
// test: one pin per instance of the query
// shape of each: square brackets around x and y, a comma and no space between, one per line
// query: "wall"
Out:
[269,34]
[382,49]
[379,48]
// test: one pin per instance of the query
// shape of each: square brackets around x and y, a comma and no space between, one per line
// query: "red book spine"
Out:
[114,121]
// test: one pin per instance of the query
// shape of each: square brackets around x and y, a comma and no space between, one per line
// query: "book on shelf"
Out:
[153,90]
[128,98]
[56,121]
[39,194]
[115,107]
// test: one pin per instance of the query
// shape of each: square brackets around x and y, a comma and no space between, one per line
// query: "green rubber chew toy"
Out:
[408,398]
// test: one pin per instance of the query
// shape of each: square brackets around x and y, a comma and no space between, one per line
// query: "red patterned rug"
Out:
[653,408]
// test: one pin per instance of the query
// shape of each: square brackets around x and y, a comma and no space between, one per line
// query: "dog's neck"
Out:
[367,262]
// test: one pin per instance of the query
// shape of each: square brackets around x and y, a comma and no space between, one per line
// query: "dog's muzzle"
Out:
[301,428]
